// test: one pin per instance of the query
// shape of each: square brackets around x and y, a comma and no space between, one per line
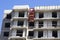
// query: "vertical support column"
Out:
[12,14]
[58,33]
[45,24]
[25,23]
[27,30]
[58,23]
[24,33]
[16,14]
[25,14]
[47,15]
[45,34]
[58,14]
[36,24]
[49,24]
[14,32]
[27,33]
[37,15]
[36,34]
[49,34]
[15,23]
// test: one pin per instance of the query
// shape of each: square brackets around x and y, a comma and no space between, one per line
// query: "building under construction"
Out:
[25,23]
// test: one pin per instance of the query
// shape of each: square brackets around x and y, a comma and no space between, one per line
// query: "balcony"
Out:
[18,27]
[19,18]
[42,38]
[46,18]
[17,37]
[30,37]
[30,27]
[47,28]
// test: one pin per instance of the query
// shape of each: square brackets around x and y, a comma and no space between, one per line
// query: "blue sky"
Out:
[8,4]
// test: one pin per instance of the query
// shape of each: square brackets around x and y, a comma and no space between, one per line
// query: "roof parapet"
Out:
[21,7]
[7,11]
[47,8]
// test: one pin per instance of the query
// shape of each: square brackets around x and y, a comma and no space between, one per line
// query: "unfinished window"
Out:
[54,33]
[31,34]
[54,14]
[21,14]
[19,33]
[40,24]
[54,23]
[7,25]
[40,15]
[40,34]
[8,16]
[6,34]
[20,23]
[31,24]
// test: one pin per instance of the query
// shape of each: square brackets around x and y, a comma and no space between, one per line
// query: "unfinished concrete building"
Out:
[25,23]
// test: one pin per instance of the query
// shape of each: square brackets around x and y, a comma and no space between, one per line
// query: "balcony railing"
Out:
[30,27]
[18,27]
[16,37]
[30,37]
[46,18]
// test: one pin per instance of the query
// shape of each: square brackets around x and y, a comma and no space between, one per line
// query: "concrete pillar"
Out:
[24,33]
[58,23]
[27,33]
[25,23]
[47,15]
[25,14]
[45,34]
[58,14]
[58,33]
[45,24]
[27,29]
[36,34]
[49,23]
[49,34]
[16,14]
[36,24]
[36,15]
[15,23]
[13,13]
[14,32]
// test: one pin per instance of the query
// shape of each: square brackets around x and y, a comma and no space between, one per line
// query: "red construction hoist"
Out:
[31,15]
